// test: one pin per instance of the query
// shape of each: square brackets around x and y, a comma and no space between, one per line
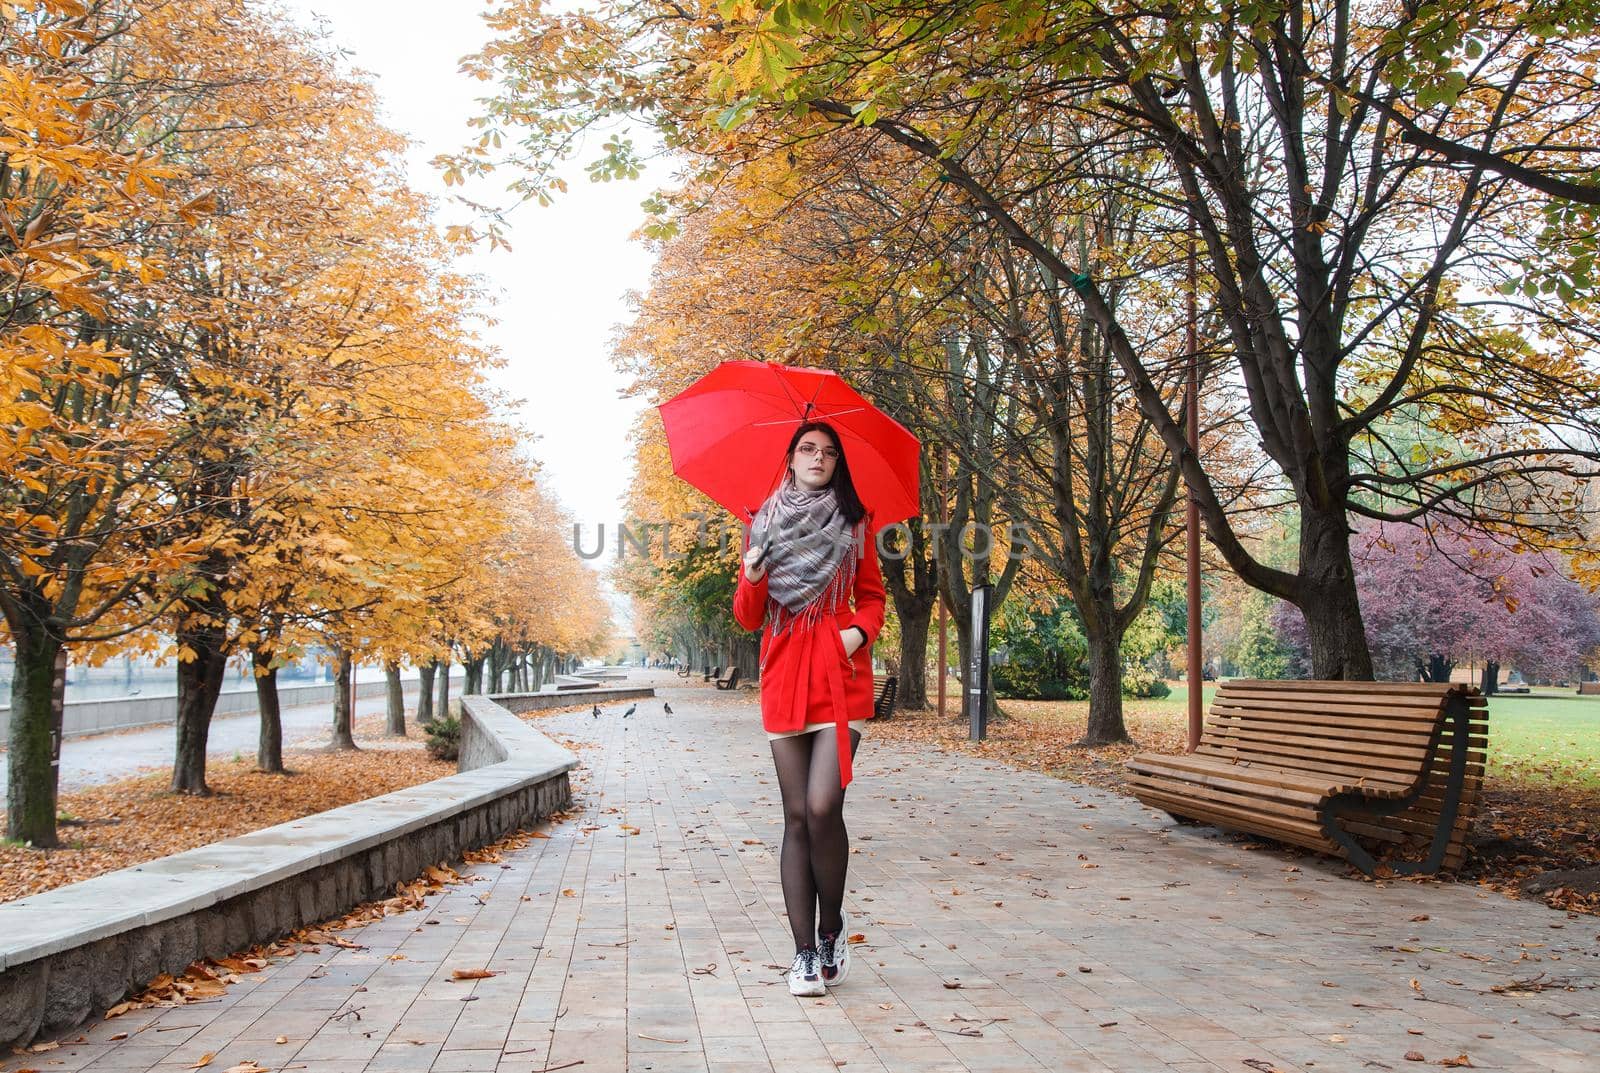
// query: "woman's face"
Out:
[814,460]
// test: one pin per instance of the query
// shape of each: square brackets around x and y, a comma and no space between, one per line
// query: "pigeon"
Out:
[596,712]
[631,709]
[667,708]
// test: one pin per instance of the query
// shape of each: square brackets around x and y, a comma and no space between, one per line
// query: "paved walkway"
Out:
[1012,922]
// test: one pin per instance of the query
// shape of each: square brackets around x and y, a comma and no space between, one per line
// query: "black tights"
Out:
[816,846]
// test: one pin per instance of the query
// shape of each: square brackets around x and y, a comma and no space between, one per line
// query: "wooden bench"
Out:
[711,672]
[1347,768]
[1588,689]
[685,671]
[728,679]
[883,697]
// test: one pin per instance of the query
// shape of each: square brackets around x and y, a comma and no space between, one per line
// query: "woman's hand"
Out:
[751,571]
[853,639]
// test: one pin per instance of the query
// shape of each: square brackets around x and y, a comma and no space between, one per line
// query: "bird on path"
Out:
[631,709]
[596,712]
[667,708]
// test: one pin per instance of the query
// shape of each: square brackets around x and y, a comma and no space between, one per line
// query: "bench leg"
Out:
[1457,715]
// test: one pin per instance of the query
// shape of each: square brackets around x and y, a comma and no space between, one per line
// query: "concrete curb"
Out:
[71,953]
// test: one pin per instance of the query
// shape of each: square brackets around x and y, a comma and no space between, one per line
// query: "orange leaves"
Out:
[472,974]
[135,820]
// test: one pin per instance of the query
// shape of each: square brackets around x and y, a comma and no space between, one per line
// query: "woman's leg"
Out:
[792,757]
[829,841]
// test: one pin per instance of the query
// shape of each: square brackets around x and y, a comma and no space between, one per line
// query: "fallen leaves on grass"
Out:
[135,820]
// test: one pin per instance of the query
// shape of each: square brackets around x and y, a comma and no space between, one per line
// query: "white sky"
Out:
[560,289]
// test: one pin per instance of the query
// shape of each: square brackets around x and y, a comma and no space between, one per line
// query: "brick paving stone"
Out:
[1119,942]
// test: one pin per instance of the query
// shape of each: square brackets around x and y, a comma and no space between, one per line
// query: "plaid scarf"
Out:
[809,569]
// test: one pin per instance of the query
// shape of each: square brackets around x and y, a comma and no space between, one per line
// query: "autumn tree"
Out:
[83,519]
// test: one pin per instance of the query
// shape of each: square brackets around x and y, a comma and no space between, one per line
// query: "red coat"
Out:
[805,676]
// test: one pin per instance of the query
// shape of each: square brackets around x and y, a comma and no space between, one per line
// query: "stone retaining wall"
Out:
[71,953]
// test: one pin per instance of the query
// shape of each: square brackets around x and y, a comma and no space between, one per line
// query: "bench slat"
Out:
[1268,810]
[1301,685]
[1309,758]
[1359,708]
[1317,718]
[1245,817]
[1235,777]
[1229,732]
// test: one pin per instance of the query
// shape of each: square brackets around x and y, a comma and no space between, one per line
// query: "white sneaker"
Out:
[805,975]
[835,955]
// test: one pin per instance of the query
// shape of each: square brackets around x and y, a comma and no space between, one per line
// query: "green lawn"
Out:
[1547,735]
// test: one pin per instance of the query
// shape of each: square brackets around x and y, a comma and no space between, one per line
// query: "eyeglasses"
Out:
[807,450]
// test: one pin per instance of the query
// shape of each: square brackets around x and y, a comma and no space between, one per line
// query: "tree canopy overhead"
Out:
[1392,206]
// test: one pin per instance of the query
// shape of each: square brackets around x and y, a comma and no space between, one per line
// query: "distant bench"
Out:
[1588,689]
[728,679]
[883,697]
[1341,767]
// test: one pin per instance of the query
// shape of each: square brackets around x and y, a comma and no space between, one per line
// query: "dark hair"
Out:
[850,504]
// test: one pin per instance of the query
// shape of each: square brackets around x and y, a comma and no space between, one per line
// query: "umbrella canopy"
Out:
[728,430]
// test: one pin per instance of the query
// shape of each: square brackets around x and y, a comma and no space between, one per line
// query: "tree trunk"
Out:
[30,774]
[497,666]
[269,749]
[1438,668]
[912,689]
[442,705]
[1491,678]
[1106,726]
[199,682]
[425,693]
[343,715]
[474,676]
[1330,604]
[395,699]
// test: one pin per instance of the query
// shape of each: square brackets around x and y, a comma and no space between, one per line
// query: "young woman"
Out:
[811,547]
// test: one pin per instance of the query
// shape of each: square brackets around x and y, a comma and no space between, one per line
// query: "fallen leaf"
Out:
[205,1060]
[472,974]
[1416,1056]
[1457,1062]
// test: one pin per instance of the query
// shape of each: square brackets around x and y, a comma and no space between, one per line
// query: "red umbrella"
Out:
[728,430]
